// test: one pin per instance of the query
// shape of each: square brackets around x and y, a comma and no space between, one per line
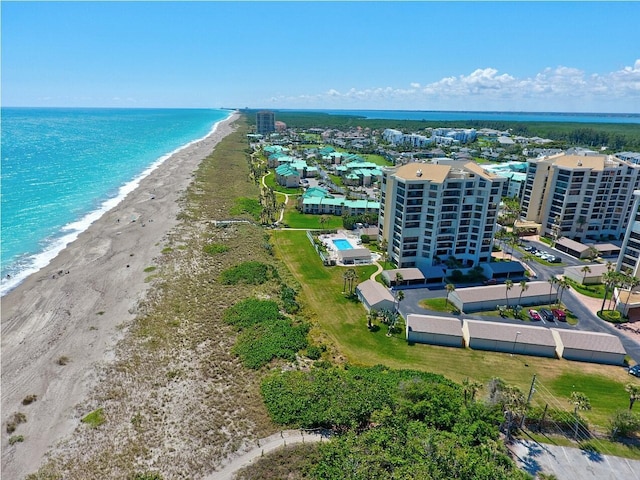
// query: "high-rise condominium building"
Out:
[580,197]
[430,212]
[265,122]
[629,259]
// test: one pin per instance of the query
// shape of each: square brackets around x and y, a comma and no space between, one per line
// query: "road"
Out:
[588,320]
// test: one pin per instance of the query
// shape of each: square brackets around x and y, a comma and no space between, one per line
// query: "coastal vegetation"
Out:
[617,136]
[214,360]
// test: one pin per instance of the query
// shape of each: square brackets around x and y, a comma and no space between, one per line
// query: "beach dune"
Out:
[63,322]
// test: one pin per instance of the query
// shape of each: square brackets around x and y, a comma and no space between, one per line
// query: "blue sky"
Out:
[509,56]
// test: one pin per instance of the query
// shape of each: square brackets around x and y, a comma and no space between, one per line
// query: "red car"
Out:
[534,315]
[560,315]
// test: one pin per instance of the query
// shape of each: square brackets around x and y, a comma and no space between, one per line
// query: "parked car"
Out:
[490,281]
[540,253]
[530,248]
[635,370]
[559,314]
[549,258]
[555,260]
[546,315]
[534,315]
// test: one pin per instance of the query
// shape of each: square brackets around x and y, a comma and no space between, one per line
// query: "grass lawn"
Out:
[437,305]
[295,219]
[342,322]
[593,291]
[336,179]
[270,181]
[377,159]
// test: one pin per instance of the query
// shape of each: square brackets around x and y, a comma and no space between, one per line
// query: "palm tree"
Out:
[508,285]
[450,287]
[399,298]
[563,285]
[469,389]
[552,281]
[351,276]
[398,278]
[580,402]
[384,245]
[586,269]
[323,220]
[523,286]
[593,253]
[608,279]
[634,393]
[631,282]
[345,277]
[514,404]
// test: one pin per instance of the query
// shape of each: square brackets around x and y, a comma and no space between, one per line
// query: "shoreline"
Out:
[78,306]
[69,233]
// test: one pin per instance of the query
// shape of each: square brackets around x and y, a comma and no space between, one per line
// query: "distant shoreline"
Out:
[473,115]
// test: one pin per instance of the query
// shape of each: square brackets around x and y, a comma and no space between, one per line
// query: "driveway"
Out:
[583,307]
[572,463]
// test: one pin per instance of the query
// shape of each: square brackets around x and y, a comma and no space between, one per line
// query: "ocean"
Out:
[61,169]
[64,168]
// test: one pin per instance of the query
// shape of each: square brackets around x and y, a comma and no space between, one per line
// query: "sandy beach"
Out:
[63,322]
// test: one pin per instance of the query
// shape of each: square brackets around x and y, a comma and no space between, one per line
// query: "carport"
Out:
[509,338]
[505,270]
[434,330]
[573,248]
[410,276]
[591,347]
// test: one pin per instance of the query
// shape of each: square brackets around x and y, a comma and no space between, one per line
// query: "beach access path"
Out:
[61,325]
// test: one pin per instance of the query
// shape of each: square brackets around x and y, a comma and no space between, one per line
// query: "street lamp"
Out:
[513,350]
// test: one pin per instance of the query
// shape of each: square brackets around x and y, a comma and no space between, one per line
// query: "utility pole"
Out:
[531,390]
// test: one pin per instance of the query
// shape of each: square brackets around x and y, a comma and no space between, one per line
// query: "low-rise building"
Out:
[591,347]
[434,330]
[509,338]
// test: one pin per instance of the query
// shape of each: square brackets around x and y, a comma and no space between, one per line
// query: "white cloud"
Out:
[555,89]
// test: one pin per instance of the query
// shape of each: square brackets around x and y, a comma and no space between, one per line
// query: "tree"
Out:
[514,403]
[399,278]
[513,243]
[399,298]
[450,287]
[384,246]
[580,402]
[469,389]
[586,269]
[352,275]
[563,284]
[523,287]
[552,281]
[593,253]
[634,393]
[631,282]
[323,220]
[608,279]
[508,285]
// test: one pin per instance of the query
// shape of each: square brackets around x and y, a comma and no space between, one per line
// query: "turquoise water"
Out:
[63,168]
[342,244]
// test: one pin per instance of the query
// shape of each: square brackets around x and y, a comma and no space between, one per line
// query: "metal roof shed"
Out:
[374,296]
[510,338]
[591,347]
[434,330]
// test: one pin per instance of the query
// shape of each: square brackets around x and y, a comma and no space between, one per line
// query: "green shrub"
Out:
[314,352]
[29,399]
[149,269]
[288,297]
[246,205]
[263,342]
[251,273]
[613,316]
[624,423]
[15,420]
[248,312]
[215,248]
[95,418]
[15,439]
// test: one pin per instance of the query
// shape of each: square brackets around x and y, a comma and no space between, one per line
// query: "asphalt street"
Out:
[587,318]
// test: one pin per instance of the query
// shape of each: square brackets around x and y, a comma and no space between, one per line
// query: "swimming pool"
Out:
[342,244]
